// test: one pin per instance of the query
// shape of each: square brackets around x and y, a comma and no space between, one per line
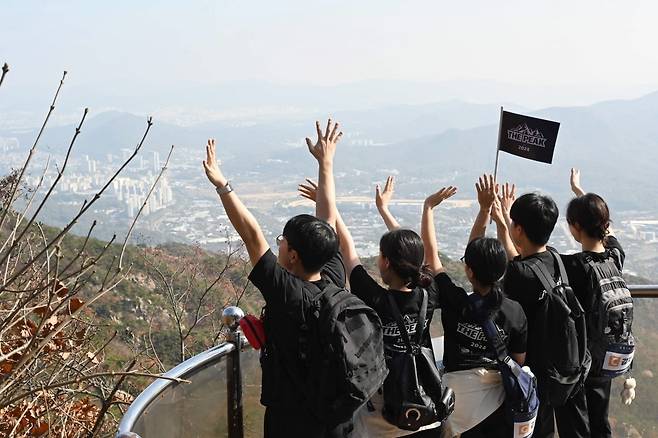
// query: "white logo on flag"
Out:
[526,135]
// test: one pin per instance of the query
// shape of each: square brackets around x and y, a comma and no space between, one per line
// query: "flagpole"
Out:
[500,133]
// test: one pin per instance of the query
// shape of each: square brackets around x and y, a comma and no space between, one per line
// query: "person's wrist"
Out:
[220,183]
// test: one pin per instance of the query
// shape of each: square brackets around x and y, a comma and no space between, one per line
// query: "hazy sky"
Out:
[579,51]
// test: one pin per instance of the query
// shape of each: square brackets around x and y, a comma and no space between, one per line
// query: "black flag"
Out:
[527,137]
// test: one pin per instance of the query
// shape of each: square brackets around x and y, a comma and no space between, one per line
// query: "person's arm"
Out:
[324,150]
[574,181]
[241,218]
[382,199]
[502,231]
[486,191]
[518,358]
[347,248]
[427,230]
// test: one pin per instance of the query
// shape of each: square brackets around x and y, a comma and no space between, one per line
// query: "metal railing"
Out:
[231,352]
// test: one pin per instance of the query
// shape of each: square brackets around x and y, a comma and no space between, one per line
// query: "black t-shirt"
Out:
[576,267]
[374,295]
[521,285]
[465,344]
[287,297]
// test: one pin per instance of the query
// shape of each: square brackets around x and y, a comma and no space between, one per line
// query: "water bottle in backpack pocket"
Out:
[520,384]
[609,322]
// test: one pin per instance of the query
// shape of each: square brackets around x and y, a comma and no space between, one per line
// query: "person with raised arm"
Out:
[524,227]
[308,258]
[595,276]
[406,280]
[471,369]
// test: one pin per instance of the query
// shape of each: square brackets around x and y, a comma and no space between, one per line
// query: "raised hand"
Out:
[498,213]
[574,180]
[487,189]
[436,198]
[308,190]
[213,172]
[507,197]
[382,198]
[324,148]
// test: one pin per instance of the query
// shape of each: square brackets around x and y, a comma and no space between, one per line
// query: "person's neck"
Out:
[308,277]
[528,249]
[592,245]
[398,284]
[483,291]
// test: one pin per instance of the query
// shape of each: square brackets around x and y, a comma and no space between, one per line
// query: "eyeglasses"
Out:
[461,259]
[279,239]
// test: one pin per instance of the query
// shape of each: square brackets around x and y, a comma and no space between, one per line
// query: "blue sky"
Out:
[587,50]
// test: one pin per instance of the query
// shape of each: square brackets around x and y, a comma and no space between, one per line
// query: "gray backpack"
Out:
[610,339]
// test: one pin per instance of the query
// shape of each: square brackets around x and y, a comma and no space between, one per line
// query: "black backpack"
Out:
[413,395]
[564,360]
[610,339]
[341,350]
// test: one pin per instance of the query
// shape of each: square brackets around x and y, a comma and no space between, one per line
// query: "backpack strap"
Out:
[564,278]
[542,274]
[494,339]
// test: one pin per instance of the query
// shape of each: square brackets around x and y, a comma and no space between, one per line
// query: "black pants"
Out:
[597,391]
[495,425]
[571,419]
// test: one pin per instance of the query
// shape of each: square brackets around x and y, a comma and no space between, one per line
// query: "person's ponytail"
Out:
[421,278]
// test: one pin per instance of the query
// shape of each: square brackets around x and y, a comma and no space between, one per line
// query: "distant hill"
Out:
[614,143]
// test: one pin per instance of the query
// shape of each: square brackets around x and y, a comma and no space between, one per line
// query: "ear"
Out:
[385,262]
[293,256]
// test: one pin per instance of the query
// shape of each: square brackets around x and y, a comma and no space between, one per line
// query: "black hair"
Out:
[487,259]
[313,239]
[405,252]
[591,213]
[537,215]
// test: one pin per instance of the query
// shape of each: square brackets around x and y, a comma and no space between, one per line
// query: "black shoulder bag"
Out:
[413,396]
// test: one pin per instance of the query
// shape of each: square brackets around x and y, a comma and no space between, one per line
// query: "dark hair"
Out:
[537,215]
[487,259]
[591,213]
[405,252]
[313,239]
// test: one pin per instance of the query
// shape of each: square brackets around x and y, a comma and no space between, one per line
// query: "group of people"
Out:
[317,250]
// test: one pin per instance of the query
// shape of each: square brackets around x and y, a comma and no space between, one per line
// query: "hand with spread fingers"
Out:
[507,198]
[324,148]
[486,188]
[308,190]
[436,198]
[210,165]
[383,198]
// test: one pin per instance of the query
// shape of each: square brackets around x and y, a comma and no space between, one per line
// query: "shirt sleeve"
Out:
[518,342]
[334,270]
[516,287]
[280,288]
[365,287]
[451,296]
[611,243]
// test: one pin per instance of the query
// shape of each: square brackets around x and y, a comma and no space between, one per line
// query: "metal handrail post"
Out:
[232,316]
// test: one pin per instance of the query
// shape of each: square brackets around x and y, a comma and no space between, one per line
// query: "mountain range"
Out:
[615,143]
